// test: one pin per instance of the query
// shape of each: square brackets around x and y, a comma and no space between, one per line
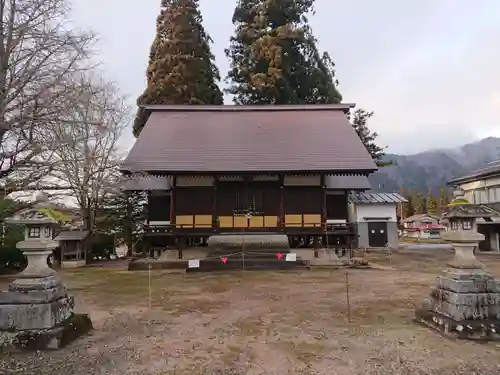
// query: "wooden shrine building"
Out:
[254,169]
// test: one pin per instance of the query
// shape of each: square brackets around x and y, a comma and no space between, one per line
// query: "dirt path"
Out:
[261,323]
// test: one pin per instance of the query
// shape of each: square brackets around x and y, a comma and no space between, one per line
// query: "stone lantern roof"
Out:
[461,208]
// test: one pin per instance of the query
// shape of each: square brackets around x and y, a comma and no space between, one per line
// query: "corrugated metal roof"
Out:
[270,139]
[72,235]
[347,182]
[371,198]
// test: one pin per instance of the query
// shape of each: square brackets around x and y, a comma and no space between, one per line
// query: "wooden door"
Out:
[377,234]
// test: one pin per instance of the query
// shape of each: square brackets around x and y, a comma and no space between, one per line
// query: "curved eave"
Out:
[472,178]
[364,172]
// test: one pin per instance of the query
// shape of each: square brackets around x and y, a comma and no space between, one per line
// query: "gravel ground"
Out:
[260,323]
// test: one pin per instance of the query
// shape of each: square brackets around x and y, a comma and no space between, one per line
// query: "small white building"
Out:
[376,220]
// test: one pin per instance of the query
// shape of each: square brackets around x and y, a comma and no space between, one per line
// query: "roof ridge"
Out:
[249,108]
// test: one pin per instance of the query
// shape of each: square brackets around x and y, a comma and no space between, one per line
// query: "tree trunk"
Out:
[129,229]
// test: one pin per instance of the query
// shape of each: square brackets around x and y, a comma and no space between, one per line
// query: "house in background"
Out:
[422,226]
[376,218]
[419,220]
[482,186]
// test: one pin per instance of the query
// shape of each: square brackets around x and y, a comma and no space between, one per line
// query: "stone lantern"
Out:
[36,312]
[38,243]
[466,300]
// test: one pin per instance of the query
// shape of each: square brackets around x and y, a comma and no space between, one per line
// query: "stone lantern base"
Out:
[37,314]
[465,303]
[464,306]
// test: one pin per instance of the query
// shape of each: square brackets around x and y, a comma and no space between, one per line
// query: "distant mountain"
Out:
[432,169]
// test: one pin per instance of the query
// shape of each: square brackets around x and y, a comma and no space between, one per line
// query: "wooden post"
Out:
[214,204]
[347,297]
[282,205]
[172,200]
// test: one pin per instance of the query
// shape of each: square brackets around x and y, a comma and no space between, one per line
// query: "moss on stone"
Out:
[459,202]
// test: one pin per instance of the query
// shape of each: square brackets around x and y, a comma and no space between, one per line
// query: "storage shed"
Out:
[73,247]
[375,217]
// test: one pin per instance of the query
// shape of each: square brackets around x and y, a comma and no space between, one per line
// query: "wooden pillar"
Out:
[323,211]
[214,204]
[282,204]
[172,200]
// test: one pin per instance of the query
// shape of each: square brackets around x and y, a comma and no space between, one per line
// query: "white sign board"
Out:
[194,263]
[291,257]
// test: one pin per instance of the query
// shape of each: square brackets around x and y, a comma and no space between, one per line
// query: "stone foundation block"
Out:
[54,338]
[464,312]
[35,316]
[470,299]
[467,286]
[481,330]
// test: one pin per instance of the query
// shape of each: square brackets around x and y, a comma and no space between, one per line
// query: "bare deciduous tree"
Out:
[87,156]
[39,58]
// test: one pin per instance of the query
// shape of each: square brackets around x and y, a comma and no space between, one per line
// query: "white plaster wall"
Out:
[486,182]
[371,211]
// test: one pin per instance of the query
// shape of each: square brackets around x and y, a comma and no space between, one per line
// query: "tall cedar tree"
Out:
[181,65]
[274,58]
[359,121]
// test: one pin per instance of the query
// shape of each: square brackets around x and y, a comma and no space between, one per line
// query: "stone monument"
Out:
[466,300]
[36,312]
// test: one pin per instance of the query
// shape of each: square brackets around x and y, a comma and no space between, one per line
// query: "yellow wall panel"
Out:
[184,221]
[240,222]
[257,222]
[305,220]
[225,221]
[314,220]
[293,220]
[270,221]
[203,221]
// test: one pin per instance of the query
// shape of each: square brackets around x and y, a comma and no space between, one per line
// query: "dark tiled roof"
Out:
[370,198]
[469,211]
[490,169]
[72,235]
[347,182]
[197,139]
[494,206]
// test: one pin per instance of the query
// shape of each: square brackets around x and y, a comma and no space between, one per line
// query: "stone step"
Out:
[234,264]
[251,254]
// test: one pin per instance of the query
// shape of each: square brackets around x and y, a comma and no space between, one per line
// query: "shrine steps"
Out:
[222,260]
[247,264]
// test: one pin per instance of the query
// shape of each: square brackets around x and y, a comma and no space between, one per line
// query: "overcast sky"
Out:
[429,69]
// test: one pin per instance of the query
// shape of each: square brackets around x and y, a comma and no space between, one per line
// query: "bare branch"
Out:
[39,58]
[86,156]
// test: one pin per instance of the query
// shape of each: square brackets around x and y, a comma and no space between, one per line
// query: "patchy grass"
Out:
[294,322]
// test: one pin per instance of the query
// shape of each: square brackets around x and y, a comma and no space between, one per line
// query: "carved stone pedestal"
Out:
[466,300]
[36,312]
